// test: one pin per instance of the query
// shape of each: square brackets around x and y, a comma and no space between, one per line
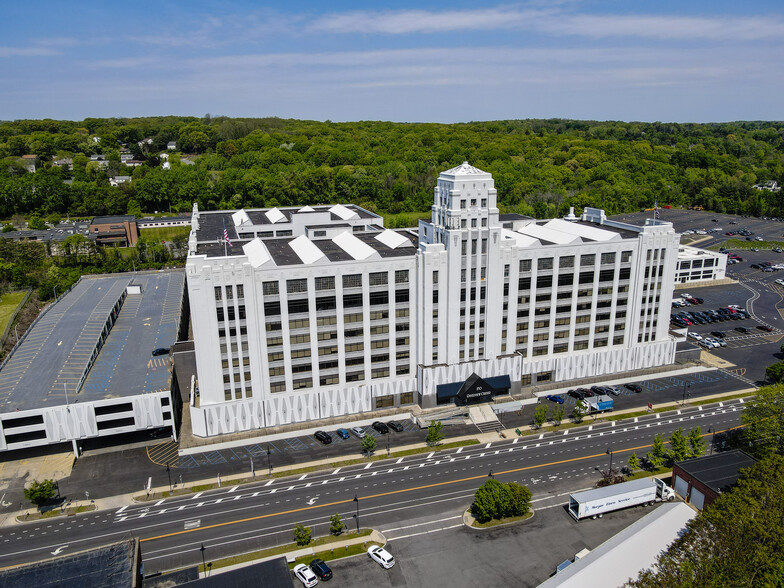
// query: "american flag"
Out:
[656,209]
[226,235]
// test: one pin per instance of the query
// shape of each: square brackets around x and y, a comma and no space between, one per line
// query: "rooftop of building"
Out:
[719,471]
[107,220]
[116,564]
[55,352]
[686,252]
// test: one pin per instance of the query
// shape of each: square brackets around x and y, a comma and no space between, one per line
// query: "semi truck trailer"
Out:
[594,503]
[599,403]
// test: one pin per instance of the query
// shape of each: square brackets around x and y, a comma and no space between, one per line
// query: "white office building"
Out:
[699,265]
[319,312]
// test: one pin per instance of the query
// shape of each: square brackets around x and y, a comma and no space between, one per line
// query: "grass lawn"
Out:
[743,244]
[164,233]
[404,219]
[505,521]
[8,304]
[326,554]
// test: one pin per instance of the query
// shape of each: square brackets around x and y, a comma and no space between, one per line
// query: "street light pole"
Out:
[685,392]
[356,516]
[168,473]
[387,444]
[269,463]
[610,453]
[713,436]
[203,564]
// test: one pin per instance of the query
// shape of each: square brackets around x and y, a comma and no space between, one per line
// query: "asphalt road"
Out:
[394,496]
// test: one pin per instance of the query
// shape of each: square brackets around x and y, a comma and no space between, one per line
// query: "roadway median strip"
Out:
[406,490]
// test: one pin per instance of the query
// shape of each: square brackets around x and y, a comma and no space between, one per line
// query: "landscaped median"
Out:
[55,512]
[328,548]
[285,473]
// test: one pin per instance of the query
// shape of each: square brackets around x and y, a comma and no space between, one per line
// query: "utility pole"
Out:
[356,516]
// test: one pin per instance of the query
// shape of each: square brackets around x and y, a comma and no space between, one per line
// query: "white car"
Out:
[685,296]
[780,282]
[705,345]
[305,575]
[712,342]
[695,336]
[381,555]
[358,431]
[734,306]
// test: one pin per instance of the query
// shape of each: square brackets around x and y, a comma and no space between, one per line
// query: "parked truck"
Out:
[600,403]
[594,503]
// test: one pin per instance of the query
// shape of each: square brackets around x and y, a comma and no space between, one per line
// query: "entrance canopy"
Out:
[473,390]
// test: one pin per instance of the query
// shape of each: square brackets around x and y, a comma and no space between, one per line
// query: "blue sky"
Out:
[409,61]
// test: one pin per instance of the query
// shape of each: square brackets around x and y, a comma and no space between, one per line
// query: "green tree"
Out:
[36,222]
[40,492]
[763,418]
[435,433]
[775,372]
[679,447]
[519,499]
[579,412]
[557,414]
[368,444]
[696,443]
[737,541]
[634,462]
[8,227]
[491,501]
[540,415]
[336,525]
[657,455]
[302,534]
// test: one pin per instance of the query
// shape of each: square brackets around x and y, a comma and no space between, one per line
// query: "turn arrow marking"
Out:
[58,550]
[312,501]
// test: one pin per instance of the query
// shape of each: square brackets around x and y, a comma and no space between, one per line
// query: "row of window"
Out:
[566,261]
[300,285]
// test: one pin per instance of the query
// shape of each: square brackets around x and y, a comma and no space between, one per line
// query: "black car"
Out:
[585,392]
[576,394]
[321,569]
[323,436]
[719,334]
[743,329]
[598,390]
[160,351]
[395,426]
[633,387]
[381,427]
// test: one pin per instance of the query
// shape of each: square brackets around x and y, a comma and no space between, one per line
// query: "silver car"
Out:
[358,431]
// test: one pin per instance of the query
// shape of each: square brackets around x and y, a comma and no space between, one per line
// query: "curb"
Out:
[468,521]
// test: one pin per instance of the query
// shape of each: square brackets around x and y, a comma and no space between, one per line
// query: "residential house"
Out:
[117,180]
[770,186]
[120,230]
[171,145]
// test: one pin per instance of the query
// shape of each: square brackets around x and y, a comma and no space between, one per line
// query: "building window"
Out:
[378,278]
[588,260]
[626,256]
[525,380]
[525,265]
[352,281]
[218,294]
[608,258]
[401,277]
[545,263]
[544,377]
[325,283]
[269,288]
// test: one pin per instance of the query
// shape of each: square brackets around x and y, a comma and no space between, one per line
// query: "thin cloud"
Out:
[27,52]
[552,20]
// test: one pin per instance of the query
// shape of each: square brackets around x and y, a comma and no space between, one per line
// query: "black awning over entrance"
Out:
[473,390]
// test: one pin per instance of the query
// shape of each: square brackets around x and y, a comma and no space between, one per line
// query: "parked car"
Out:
[615,390]
[695,336]
[160,351]
[342,433]
[633,387]
[323,436]
[555,398]
[305,575]
[321,569]
[719,334]
[780,282]
[358,431]
[381,427]
[765,328]
[585,392]
[381,556]
[395,426]
[576,394]
[743,329]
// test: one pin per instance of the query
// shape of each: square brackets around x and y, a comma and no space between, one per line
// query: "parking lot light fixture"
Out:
[356,516]
[685,392]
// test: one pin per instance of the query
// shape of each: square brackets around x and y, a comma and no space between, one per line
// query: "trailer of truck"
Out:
[594,503]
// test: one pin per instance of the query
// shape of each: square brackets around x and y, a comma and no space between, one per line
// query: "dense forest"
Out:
[541,167]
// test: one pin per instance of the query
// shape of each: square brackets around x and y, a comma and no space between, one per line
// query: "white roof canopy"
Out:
[392,239]
[520,240]
[240,218]
[306,208]
[257,253]
[354,247]
[274,215]
[306,250]
[550,235]
[592,233]
[343,212]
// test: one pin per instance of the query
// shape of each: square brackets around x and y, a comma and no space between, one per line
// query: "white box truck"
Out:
[594,503]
